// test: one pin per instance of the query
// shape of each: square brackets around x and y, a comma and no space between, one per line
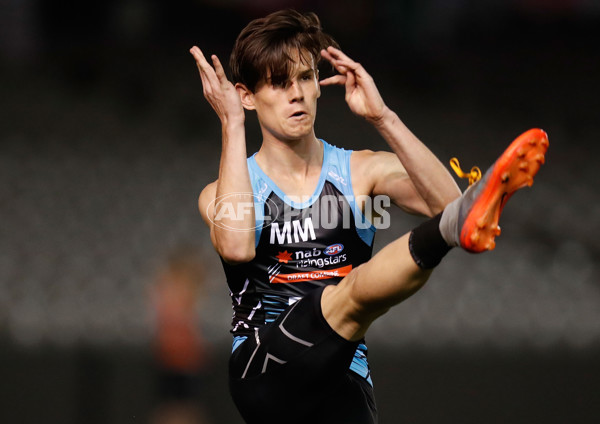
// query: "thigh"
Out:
[349,401]
[353,402]
[372,288]
[290,366]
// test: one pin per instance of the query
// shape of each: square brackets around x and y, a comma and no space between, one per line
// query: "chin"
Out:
[298,134]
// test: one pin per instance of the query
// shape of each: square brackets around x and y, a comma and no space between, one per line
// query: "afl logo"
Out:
[334,249]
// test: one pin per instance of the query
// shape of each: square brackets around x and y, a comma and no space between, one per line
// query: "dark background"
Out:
[106,141]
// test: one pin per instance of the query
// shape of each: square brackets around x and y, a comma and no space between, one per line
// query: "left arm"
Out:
[429,176]
[418,169]
[382,173]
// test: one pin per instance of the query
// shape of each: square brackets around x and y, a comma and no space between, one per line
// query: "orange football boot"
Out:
[482,203]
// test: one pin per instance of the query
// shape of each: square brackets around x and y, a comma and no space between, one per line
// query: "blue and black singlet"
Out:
[299,246]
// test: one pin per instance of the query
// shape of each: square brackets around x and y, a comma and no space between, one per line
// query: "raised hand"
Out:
[362,95]
[218,90]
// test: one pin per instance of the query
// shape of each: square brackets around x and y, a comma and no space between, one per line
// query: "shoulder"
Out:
[374,163]
[373,170]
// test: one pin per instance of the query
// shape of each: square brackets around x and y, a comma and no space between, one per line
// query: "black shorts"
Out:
[296,370]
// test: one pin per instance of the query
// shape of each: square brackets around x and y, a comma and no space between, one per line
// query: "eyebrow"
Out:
[302,70]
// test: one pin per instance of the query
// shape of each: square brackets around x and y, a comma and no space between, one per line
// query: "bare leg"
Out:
[372,289]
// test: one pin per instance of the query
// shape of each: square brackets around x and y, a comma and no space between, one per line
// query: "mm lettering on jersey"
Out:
[292,232]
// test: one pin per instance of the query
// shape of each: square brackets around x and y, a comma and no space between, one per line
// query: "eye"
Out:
[279,83]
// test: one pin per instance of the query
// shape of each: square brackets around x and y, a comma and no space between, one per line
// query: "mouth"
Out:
[298,114]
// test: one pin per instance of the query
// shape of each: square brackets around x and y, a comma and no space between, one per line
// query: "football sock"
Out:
[426,244]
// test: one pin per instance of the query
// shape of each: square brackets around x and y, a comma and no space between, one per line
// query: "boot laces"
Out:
[474,175]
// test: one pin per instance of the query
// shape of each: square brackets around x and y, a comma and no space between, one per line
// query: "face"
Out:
[287,111]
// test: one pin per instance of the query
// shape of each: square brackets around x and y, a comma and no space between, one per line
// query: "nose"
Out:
[295,92]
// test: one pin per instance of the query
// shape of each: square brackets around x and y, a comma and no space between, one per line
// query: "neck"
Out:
[293,158]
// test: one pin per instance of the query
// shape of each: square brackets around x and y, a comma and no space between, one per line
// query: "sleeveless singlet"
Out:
[299,246]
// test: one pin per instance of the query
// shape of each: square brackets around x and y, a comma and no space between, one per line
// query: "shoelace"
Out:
[474,175]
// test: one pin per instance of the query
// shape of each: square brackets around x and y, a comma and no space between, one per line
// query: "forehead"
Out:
[292,63]
[301,60]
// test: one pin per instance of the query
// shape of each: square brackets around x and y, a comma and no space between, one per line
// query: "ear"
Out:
[246,96]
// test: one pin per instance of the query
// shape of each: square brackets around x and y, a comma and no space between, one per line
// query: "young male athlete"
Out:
[292,223]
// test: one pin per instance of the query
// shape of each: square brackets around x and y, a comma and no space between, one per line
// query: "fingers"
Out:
[219,69]
[336,53]
[352,73]
[350,82]
[334,62]
[334,80]
[201,61]
[339,60]
[210,76]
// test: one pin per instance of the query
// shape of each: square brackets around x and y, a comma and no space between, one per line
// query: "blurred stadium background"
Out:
[106,141]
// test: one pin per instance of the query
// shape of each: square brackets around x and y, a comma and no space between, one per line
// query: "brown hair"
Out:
[265,47]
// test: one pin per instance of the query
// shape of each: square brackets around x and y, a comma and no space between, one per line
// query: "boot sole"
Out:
[513,170]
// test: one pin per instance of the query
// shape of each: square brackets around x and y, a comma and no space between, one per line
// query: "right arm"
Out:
[413,178]
[226,205]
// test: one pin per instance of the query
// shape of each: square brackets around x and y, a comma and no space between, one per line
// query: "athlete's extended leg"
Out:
[402,267]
